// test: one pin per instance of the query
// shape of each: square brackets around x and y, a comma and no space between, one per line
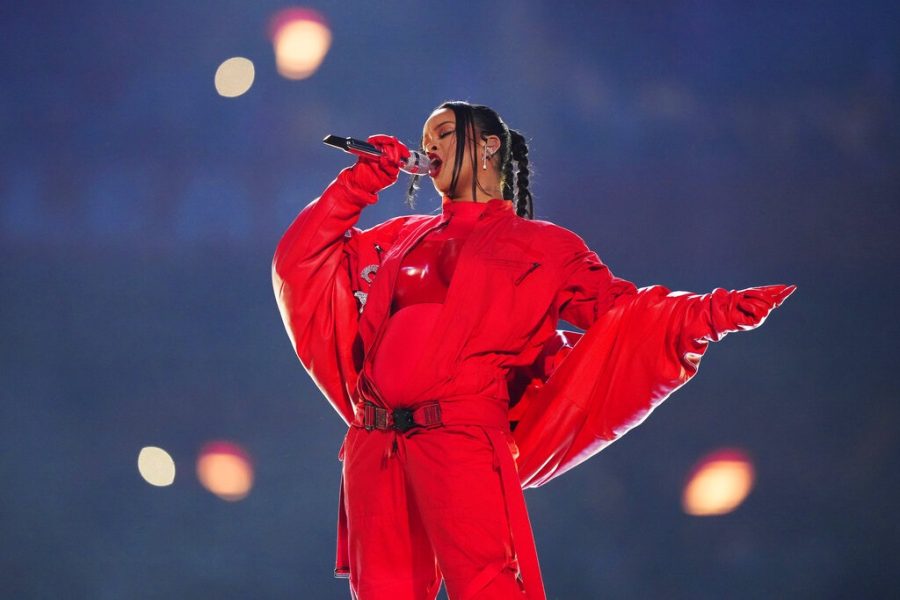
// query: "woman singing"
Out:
[434,337]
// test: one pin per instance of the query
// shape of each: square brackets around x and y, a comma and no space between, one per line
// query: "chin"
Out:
[441,189]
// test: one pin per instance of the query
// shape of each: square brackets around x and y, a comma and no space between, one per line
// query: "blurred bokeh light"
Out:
[156,466]
[234,77]
[224,469]
[301,39]
[719,483]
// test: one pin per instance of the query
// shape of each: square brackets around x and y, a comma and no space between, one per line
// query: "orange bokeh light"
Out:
[718,483]
[224,468]
[301,39]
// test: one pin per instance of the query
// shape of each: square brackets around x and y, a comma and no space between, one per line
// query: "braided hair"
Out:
[513,154]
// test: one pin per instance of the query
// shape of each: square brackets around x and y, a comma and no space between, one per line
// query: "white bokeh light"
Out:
[234,77]
[156,466]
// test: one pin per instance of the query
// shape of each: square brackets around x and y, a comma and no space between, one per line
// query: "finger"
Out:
[398,151]
[774,294]
[393,152]
[754,309]
[788,290]
[745,315]
[389,145]
[379,140]
[382,142]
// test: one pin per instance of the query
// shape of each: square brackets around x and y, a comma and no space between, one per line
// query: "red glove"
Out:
[371,174]
[743,310]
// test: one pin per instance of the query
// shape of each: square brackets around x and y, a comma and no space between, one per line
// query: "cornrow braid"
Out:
[519,152]
[509,173]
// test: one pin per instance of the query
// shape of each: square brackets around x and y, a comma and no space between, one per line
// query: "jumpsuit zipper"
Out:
[534,266]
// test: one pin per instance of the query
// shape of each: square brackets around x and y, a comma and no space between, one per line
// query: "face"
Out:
[439,142]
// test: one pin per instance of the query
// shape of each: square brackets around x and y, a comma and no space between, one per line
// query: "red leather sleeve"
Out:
[589,289]
[641,345]
[313,285]
[624,366]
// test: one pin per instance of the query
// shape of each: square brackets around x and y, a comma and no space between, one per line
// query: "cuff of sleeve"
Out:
[362,197]
[721,307]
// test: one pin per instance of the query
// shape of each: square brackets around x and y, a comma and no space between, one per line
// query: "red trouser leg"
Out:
[455,480]
[438,491]
[390,555]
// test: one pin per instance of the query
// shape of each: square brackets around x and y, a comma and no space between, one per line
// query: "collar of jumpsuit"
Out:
[468,209]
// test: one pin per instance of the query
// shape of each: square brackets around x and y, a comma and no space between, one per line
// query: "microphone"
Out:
[417,163]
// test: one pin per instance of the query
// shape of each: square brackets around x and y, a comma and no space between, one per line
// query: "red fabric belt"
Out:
[461,410]
[488,413]
[402,419]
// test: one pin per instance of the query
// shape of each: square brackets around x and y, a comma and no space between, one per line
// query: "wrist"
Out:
[346,178]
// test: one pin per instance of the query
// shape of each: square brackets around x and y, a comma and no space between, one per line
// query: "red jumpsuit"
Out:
[520,403]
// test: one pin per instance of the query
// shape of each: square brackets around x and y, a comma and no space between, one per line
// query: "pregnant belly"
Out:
[405,339]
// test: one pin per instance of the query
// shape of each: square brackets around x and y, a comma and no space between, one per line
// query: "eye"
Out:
[446,133]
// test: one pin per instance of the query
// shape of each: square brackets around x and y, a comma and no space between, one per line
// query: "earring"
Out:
[485,157]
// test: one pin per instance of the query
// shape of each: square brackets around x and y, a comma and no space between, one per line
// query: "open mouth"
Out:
[435,166]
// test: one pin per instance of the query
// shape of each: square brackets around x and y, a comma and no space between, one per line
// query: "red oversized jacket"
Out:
[570,395]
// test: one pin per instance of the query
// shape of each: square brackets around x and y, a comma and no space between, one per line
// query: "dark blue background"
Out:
[692,144]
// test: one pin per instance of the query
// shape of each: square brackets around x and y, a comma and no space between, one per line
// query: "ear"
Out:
[492,141]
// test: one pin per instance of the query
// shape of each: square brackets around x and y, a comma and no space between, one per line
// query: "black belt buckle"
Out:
[403,419]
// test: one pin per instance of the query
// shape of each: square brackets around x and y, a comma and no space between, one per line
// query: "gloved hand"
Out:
[743,310]
[371,174]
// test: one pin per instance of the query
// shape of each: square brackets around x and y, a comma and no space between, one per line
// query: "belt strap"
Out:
[402,419]
[520,526]
[454,410]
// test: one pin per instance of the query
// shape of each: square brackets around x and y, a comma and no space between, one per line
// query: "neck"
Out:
[481,195]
